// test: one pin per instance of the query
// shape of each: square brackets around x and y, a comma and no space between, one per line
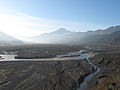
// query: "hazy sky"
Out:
[33,17]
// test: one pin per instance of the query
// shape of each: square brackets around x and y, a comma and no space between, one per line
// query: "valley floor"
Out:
[60,75]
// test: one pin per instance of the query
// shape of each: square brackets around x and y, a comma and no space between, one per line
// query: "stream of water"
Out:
[84,55]
[79,55]
[84,85]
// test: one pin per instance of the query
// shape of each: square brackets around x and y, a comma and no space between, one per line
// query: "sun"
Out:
[16,25]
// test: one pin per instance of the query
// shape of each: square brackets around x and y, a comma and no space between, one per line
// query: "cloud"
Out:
[22,25]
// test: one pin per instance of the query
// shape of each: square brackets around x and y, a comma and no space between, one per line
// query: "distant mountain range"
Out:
[63,36]
[8,40]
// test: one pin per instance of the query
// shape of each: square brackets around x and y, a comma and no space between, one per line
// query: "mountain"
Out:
[105,31]
[61,31]
[113,37]
[8,40]
[111,34]
[52,36]
[64,36]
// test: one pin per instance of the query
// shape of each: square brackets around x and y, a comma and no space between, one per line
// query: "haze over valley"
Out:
[59,45]
[64,36]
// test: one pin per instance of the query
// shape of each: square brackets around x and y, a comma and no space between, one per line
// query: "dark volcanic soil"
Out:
[109,77]
[108,60]
[48,75]
[60,75]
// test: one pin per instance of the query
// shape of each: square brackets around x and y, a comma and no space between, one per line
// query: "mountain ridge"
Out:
[64,36]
